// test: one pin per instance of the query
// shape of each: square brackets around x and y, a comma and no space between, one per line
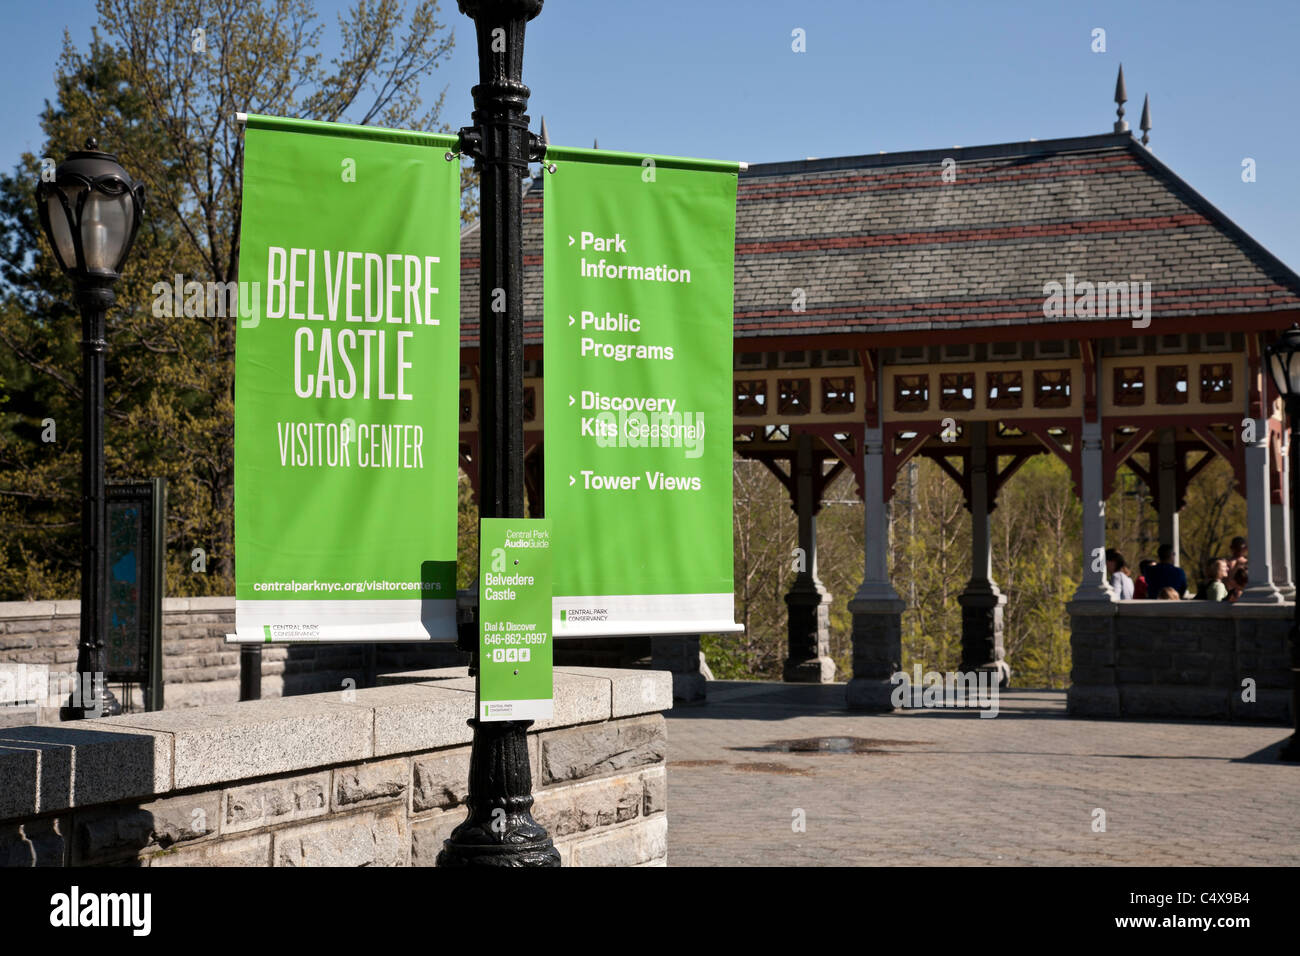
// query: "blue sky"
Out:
[714,79]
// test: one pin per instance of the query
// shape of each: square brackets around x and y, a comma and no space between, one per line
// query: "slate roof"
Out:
[882,243]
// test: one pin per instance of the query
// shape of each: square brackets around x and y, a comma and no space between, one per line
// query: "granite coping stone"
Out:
[35,610]
[217,603]
[53,767]
[632,691]
[256,738]
[18,610]
[38,610]
[579,699]
[20,792]
[77,764]
[415,717]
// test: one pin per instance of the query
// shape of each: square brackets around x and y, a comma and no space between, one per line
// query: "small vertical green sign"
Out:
[514,670]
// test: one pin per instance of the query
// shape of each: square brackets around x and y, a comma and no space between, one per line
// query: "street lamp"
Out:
[499,829]
[90,214]
[1284,365]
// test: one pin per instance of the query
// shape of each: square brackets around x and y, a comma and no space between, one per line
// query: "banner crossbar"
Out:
[378,133]
[616,158]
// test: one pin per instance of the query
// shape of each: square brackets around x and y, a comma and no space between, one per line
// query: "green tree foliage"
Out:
[1035,532]
[466,533]
[159,85]
[929,563]
[1037,562]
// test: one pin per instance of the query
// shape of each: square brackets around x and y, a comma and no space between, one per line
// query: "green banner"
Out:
[514,659]
[639,254]
[346,384]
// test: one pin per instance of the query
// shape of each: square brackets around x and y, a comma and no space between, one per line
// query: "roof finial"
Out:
[1145,124]
[1121,97]
[545,136]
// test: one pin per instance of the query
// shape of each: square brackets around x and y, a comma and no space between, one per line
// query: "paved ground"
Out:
[942,787]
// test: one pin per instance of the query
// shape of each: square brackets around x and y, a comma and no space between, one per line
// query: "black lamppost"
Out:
[90,214]
[500,829]
[1284,365]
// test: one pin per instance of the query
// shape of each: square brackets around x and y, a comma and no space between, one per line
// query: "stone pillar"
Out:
[1093,692]
[1094,585]
[1280,531]
[1167,475]
[1259,497]
[876,607]
[981,602]
[809,660]
[680,655]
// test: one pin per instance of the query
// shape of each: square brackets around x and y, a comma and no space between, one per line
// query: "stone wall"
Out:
[1180,659]
[375,777]
[199,667]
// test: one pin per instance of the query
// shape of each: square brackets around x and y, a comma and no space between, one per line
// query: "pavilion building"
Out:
[978,306]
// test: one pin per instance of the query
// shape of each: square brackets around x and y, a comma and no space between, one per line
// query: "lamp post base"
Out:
[500,829]
[486,854]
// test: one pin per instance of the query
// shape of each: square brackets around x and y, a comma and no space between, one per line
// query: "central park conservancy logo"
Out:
[290,632]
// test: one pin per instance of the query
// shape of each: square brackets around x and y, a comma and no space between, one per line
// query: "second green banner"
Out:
[639,255]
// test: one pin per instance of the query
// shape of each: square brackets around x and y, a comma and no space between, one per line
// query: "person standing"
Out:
[1213,589]
[1237,582]
[1117,574]
[1239,555]
[1166,574]
[1140,592]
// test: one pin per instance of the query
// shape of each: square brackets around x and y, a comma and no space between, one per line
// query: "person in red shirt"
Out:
[1140,585]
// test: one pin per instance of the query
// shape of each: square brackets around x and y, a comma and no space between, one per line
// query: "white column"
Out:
[876,585]
[1280,524]
[1261,589]
[876,607]
[1167,464]
[1094,586]
[981,563]
[1280,527]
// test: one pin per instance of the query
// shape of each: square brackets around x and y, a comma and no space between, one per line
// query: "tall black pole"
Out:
[1291,749]
[250,672]
[92,698]
[500,829]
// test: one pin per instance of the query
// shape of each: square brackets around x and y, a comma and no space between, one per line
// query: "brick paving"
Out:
[951,788]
